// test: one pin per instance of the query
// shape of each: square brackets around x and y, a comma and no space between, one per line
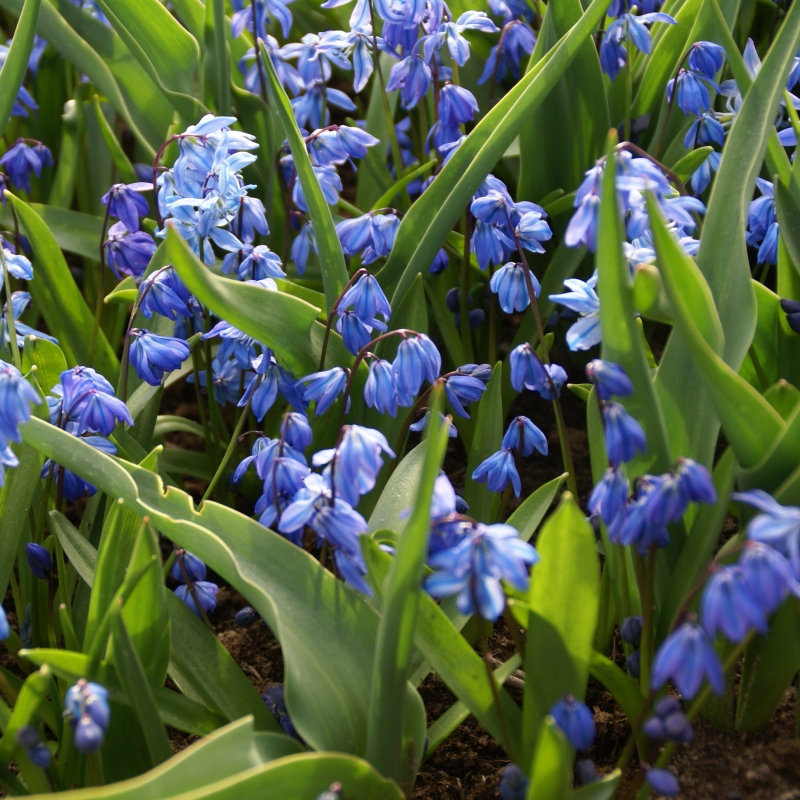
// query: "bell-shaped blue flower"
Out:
[527,370]
[461,390]
[663,782]
[20,160]
[623,434]
[39,560]
[296,430]
[323,388]
[693,97]
[728,606]
[128,253]
[16,398]
[509,284]
[417,360]
[524,437]
[532,230]
[367,299]
[152,355]
[127,204]
[609,495]
[706,58]
[246,617]
[205,591]
[412,76]
[380,391]
[513,783]
[631,630]
[576,721]
[355,334]
[687,657]
[187,568]
[609,379]
[767,576]
[163,293]
[555,378]
[498,471]
[456,105]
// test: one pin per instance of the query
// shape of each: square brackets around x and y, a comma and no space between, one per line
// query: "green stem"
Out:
[101,289]
[645,571]
[12,327]
[228,453]
[466,335]
[628,91]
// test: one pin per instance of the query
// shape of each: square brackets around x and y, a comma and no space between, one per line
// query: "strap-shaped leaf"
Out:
[622,338]
[16,64]
[331,258]
[749,421]
[426,226]
[216,66]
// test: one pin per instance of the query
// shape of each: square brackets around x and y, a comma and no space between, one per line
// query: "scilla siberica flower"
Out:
[380,391]
[767,576]
[39,560]
[323,388]
[511,288]
[624,436]
[663,782]
[152,355]
[693,97]
[125,202]
[762,224]
[609,496]
[728,606]
[472,569]
[16,398]
[204,591]
[163,292]
[187,567]
[35,749]
[687,657]
[776,525]
[461,390]
[128,253]
[576,721]
[20,160]
[669,722]
[86,709]
[269,379]
[524,437]
[498,471]
[513,783]
[17,265]
[582,298]
[517,40]
[613,55]
[417,361]
[609,379]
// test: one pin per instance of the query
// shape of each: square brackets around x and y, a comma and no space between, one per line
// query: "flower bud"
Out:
[631,630]
[513,783]
[245,617]
[39,560]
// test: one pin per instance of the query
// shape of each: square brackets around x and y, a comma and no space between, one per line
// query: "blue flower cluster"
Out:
[17,396]
[30,740]
[190,572]
[24,158]
[86,709]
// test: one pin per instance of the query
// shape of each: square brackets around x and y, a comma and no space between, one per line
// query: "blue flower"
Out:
[456,105]
[421,424]
[275,700]
[163,293]
[266,11]
[498,471]
[20,160]
[669,722]
[462,390]
[259,263]
[17,265]
[532,230]
[631,630]
[527,370]
[609,379]
[234,343]
[510,286]
[16,398]
[128,253]
[246,617]
[187,565]
[550,388]
[613,55]
[152,355]
[776,525]
[693,97]
[516,41]
[727,606]
[704,130]
[269,379]
[205,591]
[522,435]
[296,431]
[513,781]
[474,567]
[355,334]
[624,435]
[39,560]
[576,721]
[417,360]
[412,76]
[767,576]
[87,711]
[100,412]
[367,299]
[380,391]
[687,657]
[609,495]
[706,58]
[696,481]
[281,485]
[7,459]
[586,332]
[323,388]
[73,486]
[490,243]
[125,202]
[663,782]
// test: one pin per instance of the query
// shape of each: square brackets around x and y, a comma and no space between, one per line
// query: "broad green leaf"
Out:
[16,63]
[77,548]
[125,171]
[65,310]
[527,517]
[699,545]
[47,358]
[426,226]
[649,296]
[692,416]
[783,397]
[284,323]
[458,712]
[216,66]
[749,421]
[391,193]
[486,441]
[398,495]
[691,162]
[73,126]
[401,598]
[205,671]
[70,40]
[454,660]
[137,686]
[789,219]
[551,775]
[622,340]
[303,604]
[769,666]
[564,601]
[225,753]
[331,258]
[167,51]
[572,122]
[603,789]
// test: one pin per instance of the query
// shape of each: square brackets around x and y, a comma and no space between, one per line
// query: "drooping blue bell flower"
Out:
[86,708]
[421,424]
[532,230]
[609,379]
[499,471]
[39,560]
[461,390]
[663,782]
[527,369]
[525,437]
[513,783]
[609,495]
[728,606]
[693,97]
[380,391]
[16,398]
[187,567]
[624,436]
[128,253]
[20,160]
[246,617]
[582,299]
[669,722]
[417,360]
[125,202]
[576,722]
[511,288]
[767,576]
[205,591]
[631,630]
[516,41]
[323,388]
[687,657]
[152,355]
[706,58]
[296,430]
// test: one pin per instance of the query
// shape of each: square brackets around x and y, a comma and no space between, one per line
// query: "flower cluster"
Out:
[30,740]
[194,590]
[86,709]
[16,398]
[23,158]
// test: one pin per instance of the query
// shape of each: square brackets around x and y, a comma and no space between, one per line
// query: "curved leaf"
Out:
[16,64]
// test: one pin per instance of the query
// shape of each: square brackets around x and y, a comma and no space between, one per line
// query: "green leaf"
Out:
[425,227]
[622,687]
[284,323]
[622,340]
[691,162]
[76,546]
[527,517]
[572,122]
[216,66]
[65,311]
[167,51]
[390,194]
[401,597]
[750,423]
[769,666]
[125,171]
[789,220]
[603,789]
[331,258]
[398,495]
[137,686]
[16,63]
[166,423]
[699,545]
[551,774]
[205,671]
[649,296]
[487,440]
[454,660]
[73,127]
[564,601]
[723,261]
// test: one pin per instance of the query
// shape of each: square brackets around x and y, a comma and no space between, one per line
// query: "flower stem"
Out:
[228,453]
[466,335]
[12,328]
[657,153]
[332,314]
[646,569]
[628,91]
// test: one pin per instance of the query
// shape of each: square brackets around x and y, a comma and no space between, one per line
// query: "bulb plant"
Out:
[374,245]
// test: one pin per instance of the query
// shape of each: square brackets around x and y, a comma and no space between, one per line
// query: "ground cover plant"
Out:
[295,298]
